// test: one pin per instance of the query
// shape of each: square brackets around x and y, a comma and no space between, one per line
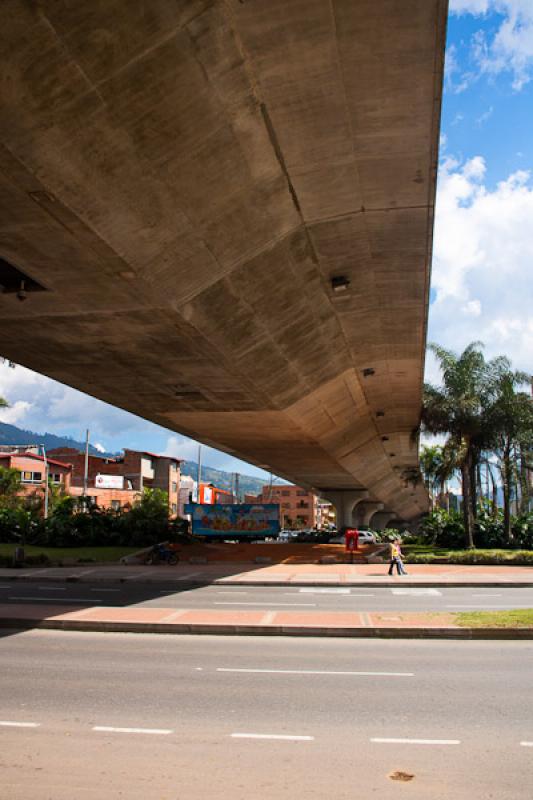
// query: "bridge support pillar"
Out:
[380,519]
[345,500]
[364,512]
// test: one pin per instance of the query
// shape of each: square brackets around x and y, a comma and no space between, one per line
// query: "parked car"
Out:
[365,537]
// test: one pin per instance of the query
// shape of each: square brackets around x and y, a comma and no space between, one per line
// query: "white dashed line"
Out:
[104,590]
[308,605]
[415,741]
[153,731]
[88,600]
[317,672]
[53,588]
[417,592]
[284,738]
[318,590]
[8,724]
[526,744]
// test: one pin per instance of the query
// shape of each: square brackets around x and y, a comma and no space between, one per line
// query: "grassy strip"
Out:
[517,618]
[71,553]
[488,556]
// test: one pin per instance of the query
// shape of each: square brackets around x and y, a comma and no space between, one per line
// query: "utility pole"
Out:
[237,486]
[199,471]
[86,471]
[45,482]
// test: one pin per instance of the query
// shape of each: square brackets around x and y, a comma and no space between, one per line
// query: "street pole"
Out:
[45,482]
[199,470]
[86,471]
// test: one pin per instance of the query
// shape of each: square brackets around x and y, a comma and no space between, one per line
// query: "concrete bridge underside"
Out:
[180,181]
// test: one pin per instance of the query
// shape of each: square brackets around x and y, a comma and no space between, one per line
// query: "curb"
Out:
[274,630]
[361,584]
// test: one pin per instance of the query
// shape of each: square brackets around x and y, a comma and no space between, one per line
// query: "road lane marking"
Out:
[139,575]
[282,737]
[9,724]
[226,592]
[88,600]
[316,672]
[466,605]
[526,744]
[236,603]
[319,590]
[154,731]
[104,590]
[378,740]
[417,592]
[53,588]
[485,595]
[365,619]
[186,577]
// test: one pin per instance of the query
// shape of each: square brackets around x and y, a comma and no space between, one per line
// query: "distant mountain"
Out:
[10,434]
[224,480]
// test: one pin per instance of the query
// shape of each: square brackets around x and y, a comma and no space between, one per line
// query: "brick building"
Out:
[118,482]
[32,470]
[298,507]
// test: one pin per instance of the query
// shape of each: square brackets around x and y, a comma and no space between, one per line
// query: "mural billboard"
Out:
[248,520]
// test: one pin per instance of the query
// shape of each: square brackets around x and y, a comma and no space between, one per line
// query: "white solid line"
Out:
[272,736]
[317,672]
[526,744]
[88,600]
[109,729]
[235,603]
[8,724]
[415,741]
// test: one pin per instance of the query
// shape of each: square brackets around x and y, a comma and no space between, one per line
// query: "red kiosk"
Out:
[351,540]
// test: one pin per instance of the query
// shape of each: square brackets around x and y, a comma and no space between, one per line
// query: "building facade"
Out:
[119,482]
[298,508]
[33,469]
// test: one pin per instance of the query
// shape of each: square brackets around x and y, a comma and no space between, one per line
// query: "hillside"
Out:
[10,434]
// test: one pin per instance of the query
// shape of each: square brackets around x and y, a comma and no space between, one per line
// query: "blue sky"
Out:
[483,249]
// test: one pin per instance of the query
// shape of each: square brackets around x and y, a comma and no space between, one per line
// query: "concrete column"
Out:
[364,512]
[345,500]
[380,519]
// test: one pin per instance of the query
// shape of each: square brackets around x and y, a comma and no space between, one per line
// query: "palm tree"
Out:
[509,423]
[457,408]
[430,463]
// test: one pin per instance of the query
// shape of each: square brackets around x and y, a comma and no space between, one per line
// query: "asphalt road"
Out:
[275,598]
[122,716]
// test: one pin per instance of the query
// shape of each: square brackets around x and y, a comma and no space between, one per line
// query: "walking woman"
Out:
[396,558]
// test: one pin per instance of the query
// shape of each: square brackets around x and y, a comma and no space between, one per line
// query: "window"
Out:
[301,493]
[55,477]
[31,477]
[115,505]
[174,508]
[285,493]
[174,487]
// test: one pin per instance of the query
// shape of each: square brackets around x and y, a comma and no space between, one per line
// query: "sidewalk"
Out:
[375,575]
[135,619]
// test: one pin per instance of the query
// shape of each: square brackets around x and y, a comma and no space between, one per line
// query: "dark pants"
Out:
[399,566]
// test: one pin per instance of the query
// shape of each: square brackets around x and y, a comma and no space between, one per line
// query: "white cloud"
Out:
[510,47]
[485,116]
[99,447]
[482,263]
[15,412]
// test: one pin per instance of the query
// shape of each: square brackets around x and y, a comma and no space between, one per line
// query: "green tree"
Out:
[509,425]
[457,408]
[9,488]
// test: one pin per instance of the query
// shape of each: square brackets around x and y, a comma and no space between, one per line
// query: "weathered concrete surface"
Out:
[185,178]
